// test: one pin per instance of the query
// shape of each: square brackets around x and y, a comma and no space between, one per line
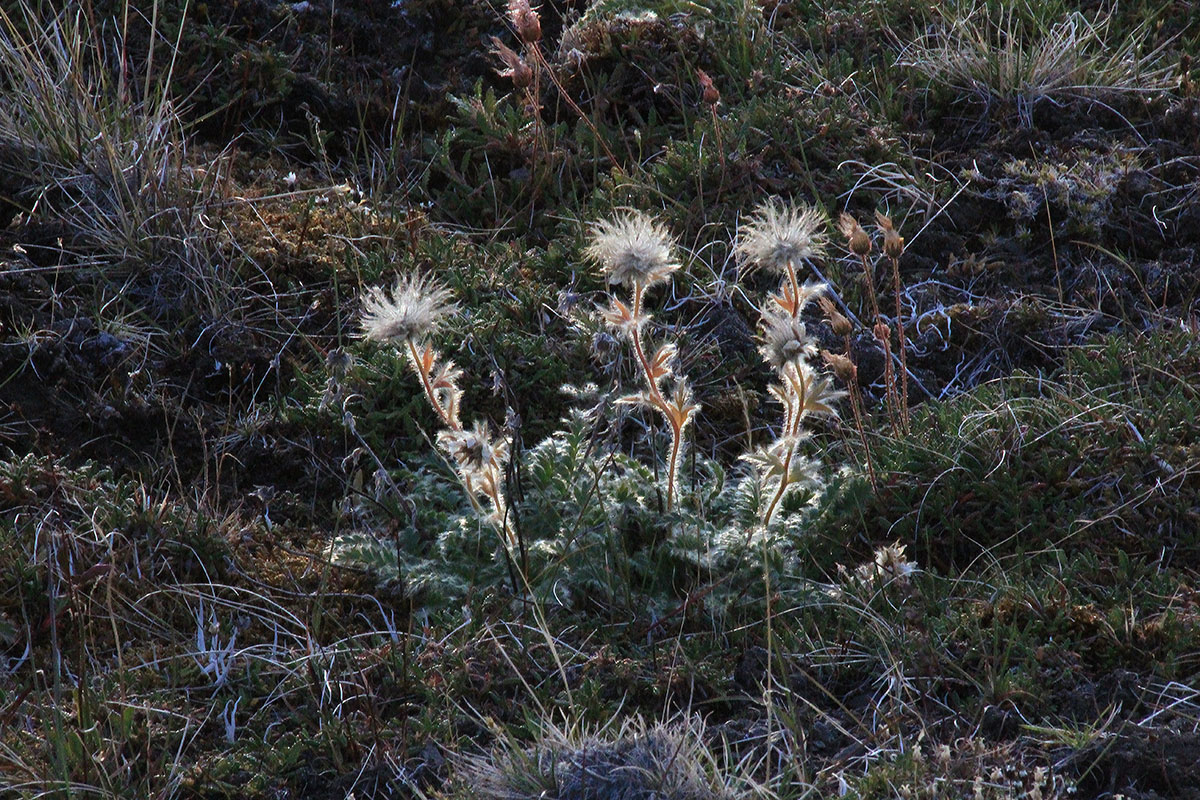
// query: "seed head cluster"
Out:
[780,236]
[632,249]
[405,317]
[410,312]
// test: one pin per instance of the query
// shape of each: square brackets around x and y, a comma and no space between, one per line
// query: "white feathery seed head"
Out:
[785,340]
[410,311]
[779,234]
[632,249]
[474,449]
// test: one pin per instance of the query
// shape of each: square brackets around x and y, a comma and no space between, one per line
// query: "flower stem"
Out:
[793,418]
[656,398]
[902,344]
[430,394]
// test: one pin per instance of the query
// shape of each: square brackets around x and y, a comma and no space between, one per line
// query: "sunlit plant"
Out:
[406,317]
[634,251]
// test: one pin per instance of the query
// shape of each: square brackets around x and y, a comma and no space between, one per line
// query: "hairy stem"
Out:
[794,416]
[656,398]
[430,394]
[795,284]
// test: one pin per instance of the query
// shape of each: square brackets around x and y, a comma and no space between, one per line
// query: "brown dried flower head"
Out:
[708,90]
[893,242]
[632,249]
[411,311]
[526,21]
[515,67]
[856,238]
[779,235]
[840,325]
[842,366]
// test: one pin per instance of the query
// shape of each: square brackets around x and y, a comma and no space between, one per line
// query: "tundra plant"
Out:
[777,238]
[634,251]
[406,317]
[586,526]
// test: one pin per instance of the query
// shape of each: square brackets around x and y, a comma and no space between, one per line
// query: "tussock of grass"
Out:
[104,155]
[1004,57]
[668,761]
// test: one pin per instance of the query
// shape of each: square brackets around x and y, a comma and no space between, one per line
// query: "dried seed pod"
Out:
[893,242]
[856,238]
[842,366]
[709,92]
[515,67]
[526,21]
[841,326]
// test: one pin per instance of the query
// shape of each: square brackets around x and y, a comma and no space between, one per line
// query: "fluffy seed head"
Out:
[474,449]
[890,563]
[779,234]
[411,311]
[785,340]
[632,249]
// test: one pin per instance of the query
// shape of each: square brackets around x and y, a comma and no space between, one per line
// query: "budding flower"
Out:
[514,66]
[526,21]
[632,250]
[856,238]
[780,235]
[411,311]
[841,326]
[709,92]
[893,242]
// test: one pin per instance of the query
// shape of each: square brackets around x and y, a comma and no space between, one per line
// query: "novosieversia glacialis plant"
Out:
[633,250]
[777,238]
[406,317]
